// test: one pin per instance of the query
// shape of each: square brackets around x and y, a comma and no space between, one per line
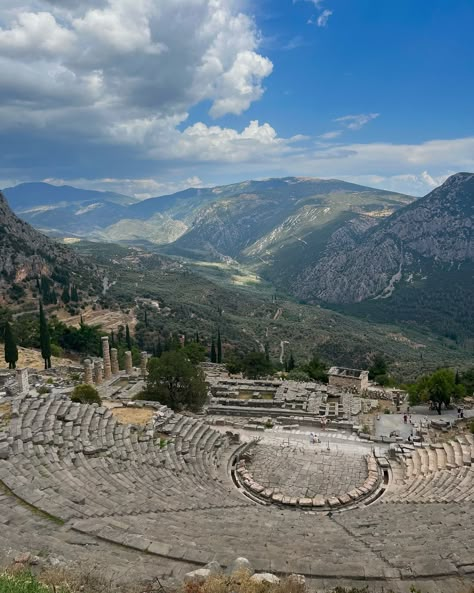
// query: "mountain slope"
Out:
[417,265]
[26,254]
[256,221]
[67,210]
[31,195]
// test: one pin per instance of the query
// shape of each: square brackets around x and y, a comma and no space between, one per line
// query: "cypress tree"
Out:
[213,351]
[112,339]
[291,362]
[457,378]
[128,339]
[45,341]
[66,297]
[159,348]
[267,351]
[197,338]
[11,351]
[219,347]
[146,319]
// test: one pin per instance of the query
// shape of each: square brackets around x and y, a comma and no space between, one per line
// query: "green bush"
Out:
[56,351]
[24,583]
[44,389]
[85,394]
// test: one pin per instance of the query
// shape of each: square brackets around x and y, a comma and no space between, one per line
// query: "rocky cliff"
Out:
[26,254]
[433,233]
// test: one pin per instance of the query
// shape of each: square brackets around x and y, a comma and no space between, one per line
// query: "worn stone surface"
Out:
[299,472]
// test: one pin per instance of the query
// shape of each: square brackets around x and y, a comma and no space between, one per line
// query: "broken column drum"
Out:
[114,361]
[98,372]
[106,358]
[88,372]
[143,363]
[128,362]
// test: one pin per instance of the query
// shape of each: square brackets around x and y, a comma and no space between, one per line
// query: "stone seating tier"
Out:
[114,483]
[73,460]
[442,472]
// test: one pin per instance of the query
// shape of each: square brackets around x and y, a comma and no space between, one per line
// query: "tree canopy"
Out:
[175,381]
[439,387]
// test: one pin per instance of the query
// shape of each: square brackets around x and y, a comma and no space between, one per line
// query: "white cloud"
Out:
[331,135]
[138,188]
[356,122]
[36,33]
[137,59]
[323,18]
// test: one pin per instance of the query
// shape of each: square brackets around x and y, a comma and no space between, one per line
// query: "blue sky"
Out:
[148,97]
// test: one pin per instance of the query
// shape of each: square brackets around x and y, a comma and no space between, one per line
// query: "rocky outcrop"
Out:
[435,231]
[26,254]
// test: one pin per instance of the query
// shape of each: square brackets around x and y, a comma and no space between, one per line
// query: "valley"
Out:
[307,262]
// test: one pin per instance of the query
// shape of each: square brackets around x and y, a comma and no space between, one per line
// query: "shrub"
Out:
[471,427]
[24,582]
[44,389]
[56,351]
[85,394]
[387,411]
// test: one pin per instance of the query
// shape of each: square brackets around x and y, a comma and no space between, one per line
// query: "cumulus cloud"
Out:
[127,58]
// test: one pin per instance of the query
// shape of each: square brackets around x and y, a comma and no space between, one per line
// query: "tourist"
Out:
[405,418]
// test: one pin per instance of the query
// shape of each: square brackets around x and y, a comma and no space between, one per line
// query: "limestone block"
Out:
[265,577]
[199,575]
[240,564]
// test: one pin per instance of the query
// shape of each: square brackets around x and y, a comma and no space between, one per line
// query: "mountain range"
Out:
[369,252]
[179,300]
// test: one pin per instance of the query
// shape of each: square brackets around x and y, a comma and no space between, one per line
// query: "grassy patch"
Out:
[25,583]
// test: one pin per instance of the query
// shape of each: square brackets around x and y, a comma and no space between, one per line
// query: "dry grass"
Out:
[240,582]
[5,413]
[138,416]
[107,319]
[27,357]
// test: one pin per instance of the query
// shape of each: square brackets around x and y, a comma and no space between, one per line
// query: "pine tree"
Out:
[219,347]
[45,341]
[128,339]
[11,351]
[213,351]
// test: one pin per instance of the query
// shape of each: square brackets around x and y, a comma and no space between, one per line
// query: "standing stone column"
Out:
[23,382]
[106,358]
[114,361]
[128,362]
[98,373]
[143,363]
[87,372]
